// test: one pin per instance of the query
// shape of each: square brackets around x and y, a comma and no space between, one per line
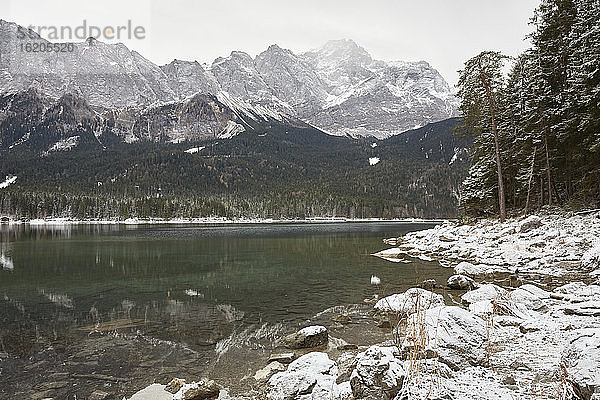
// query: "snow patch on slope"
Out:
[194,150]
[64,144]
[9,181]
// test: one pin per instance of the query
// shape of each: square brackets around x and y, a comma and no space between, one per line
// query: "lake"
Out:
[77,293]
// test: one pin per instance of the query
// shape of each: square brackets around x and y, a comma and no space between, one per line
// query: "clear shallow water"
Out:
[267,272]
[215,290]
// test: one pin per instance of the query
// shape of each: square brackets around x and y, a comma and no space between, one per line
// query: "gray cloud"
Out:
[444,33]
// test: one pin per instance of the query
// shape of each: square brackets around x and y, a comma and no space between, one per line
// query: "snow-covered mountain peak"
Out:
[338,87]
[336,53]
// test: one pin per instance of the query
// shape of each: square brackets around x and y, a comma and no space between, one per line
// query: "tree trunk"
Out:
[548,173]
[530,179]
[541,191]
[501,197]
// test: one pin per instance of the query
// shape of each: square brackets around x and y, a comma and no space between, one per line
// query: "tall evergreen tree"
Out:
[479,84]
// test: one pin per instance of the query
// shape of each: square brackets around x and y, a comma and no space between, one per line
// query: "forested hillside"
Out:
[273,171]
[536,130]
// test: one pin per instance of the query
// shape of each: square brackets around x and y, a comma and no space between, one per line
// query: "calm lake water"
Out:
[184,284]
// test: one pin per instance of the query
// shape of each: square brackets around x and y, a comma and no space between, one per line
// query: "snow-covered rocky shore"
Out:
[550,245]
[532,341]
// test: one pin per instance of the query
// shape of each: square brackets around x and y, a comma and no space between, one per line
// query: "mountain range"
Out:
[338,88]
[98,131]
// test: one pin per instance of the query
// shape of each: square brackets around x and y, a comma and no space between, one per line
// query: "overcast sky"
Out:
[443,32]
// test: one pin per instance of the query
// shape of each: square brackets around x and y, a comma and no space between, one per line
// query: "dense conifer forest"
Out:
[536,129]
[276,172]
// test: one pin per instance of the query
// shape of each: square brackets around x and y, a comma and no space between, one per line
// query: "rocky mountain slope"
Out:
[338,88]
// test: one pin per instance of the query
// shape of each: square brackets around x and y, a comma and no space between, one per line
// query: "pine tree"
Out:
[479,84]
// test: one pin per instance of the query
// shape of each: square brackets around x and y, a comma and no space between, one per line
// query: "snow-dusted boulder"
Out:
[491,300]
[310,377]
[311,336]
[582,360]
[154,391]
[591,258]
[461,282]
[530,223]
[452,334]
[485,292]
[501,306]
[584,309]
[579,292]
[536,291]
[343,391]
[378,374]
[410,301]
[466,268]
[571,288]
[526,298]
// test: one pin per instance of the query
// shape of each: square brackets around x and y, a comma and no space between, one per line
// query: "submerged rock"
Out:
[461,282]
[205,389]
[429,284]
[378,374]
[341,319]
[411,301]
[309,337]
[311,376]
[271,369]
[284,358]
[175,385]
[98,395]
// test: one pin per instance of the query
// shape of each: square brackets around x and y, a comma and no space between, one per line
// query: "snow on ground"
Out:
[374,160]
[194,150]
[550,346]
[64,144]
[550,245]
[9,181]
[231,129]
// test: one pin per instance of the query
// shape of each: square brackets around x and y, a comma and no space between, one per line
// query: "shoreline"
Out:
[218,221]
[550,246]
[530,340]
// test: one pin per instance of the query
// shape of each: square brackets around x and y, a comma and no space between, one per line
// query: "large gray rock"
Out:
[378,374]
[530,223]
[411,301]
[309,337]
[527,298]
[487,292]
[452,334]
[311,376]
